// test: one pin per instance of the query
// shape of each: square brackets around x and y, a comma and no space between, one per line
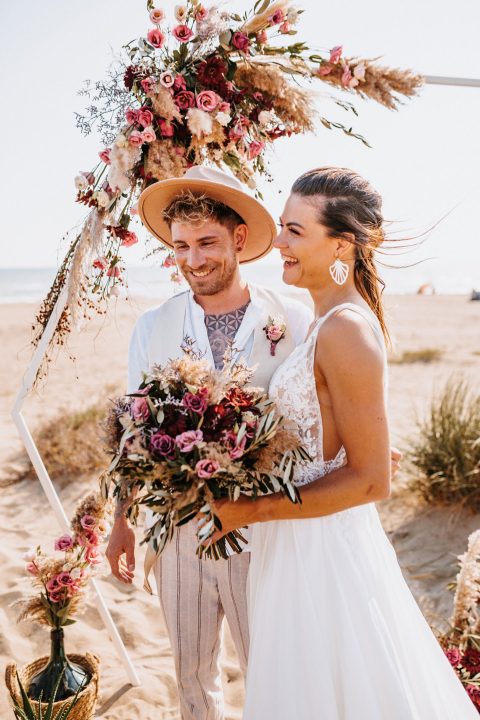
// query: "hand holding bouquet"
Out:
[192,435]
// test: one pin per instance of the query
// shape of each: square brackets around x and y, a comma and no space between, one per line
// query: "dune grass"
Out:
[444,452]
[425,355]
[70,445]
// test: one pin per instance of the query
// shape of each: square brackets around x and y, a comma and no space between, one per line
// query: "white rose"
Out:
[30,555]
[180,12]
[265,117]
[223,118]
[81,182]
[292,16]
[102,198]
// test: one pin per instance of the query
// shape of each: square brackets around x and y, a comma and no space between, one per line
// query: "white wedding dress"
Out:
[335,632]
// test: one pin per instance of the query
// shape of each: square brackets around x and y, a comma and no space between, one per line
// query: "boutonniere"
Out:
[275,331]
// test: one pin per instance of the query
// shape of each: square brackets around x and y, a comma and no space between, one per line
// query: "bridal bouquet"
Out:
[192,435]
[214,87]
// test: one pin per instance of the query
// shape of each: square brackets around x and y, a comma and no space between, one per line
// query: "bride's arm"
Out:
[351,362]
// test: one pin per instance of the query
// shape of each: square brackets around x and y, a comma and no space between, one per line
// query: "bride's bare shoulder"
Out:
[347,339]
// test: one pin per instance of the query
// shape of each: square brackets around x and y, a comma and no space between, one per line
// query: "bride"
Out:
[335,631]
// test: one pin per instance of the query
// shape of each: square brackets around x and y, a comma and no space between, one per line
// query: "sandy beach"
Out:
[427,539]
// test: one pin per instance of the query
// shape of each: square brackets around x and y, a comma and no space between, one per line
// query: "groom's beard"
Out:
[220,279]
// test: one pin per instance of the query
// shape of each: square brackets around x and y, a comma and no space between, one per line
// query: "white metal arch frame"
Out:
[35,457]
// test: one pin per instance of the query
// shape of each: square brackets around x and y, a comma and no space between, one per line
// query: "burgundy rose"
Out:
[471,660]
[212,71]
[240,41]
[163,444]
[129,77]
[196,403]
[166,128]
[179,83]
[184,99]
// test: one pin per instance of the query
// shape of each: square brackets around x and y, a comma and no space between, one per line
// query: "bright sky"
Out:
[424,159]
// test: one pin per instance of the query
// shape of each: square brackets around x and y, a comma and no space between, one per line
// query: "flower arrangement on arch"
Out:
[215,87]
[462,644]
[190,435]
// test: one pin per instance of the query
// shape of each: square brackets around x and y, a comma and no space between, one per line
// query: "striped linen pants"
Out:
[195,596]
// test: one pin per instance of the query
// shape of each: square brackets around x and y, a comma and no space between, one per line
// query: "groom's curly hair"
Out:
[191,208]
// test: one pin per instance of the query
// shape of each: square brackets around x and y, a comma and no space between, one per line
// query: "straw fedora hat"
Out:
[219,186]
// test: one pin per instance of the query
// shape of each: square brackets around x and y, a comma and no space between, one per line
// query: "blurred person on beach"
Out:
[335,632]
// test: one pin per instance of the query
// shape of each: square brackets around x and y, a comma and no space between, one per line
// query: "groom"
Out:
[213,226]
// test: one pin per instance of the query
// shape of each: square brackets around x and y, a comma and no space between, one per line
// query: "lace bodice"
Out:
[293,389]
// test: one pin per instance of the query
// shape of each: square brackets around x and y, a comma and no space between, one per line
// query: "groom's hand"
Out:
[396,456]
[120,551]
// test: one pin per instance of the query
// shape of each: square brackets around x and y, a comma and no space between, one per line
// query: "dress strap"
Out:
[369,316]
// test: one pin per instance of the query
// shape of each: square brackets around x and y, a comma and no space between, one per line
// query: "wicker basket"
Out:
[87,698]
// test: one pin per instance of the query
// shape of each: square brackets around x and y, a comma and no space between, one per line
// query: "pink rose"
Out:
[224,107]
[31,568]
[145,117]
[186,441]
[167,79]
[275,333]
[105,156]
[201,13]
[163,444]
[135,138]
[207,100]
[92,556]
[182,33]
[56,596]
[336,53]
[240,41]
[131,116]
[101,263]
[147,84]
[169,262]
[155,37]
[184,99]
[89,539]
[64,543]
[166,128]
[325,69]
[88,522]
[206,468]
[128,238]
[64,579]
[148,137]
[277,17]
[347,78]
[262,37]
[454,656]
[179,83]
[254,149]
[114,272]
[139,409]
[156,16]
[237,132]
[196,403]
[52,585]
[284,28]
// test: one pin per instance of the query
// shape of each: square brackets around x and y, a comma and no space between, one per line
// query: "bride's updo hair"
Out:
[347,203]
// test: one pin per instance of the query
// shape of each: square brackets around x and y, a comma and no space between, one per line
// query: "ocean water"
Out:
[30,285]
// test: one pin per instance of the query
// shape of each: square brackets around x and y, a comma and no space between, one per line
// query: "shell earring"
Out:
[339,271]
